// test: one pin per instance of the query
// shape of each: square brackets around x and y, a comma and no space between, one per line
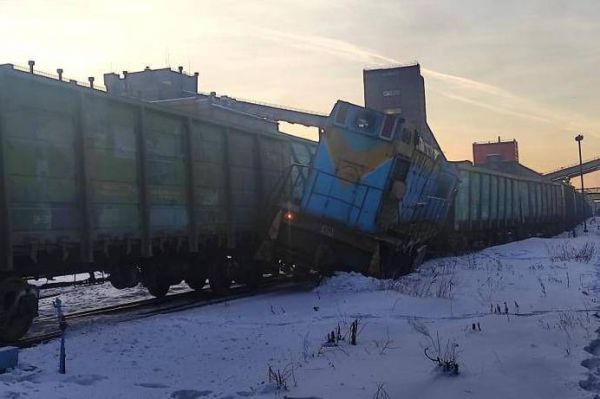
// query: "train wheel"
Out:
[196,279]
[124,277]
[252,274]
[18,307]
[116,280]
[220,276]
[158,289]
[154,280]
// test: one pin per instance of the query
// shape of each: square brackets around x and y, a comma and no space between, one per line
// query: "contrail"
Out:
[501,110]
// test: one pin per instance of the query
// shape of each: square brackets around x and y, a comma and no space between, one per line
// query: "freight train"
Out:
[492,206]
[93,181]
[377,194]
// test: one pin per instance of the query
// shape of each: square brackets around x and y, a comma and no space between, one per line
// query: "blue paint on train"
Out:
[367,159]
[352,203]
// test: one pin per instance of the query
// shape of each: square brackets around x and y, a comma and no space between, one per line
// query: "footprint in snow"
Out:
[151,385]
[592,383]
[85,379]
[189,394]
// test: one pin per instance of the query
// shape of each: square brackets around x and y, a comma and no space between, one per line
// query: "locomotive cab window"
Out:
[406,135]
[366,122]
[389,124]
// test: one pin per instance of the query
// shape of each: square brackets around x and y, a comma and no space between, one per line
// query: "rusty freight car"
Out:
[93,181]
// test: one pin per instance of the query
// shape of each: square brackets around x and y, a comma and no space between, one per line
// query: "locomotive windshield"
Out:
[366,121]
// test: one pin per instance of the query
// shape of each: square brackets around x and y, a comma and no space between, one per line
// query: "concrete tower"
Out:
[399,90]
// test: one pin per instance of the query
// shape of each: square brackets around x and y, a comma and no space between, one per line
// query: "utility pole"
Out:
[579,139]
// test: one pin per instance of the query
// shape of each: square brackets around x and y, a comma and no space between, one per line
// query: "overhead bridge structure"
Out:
[271,112]
[571,171]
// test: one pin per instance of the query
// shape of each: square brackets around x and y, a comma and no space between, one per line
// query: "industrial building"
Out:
[153,84]
[177,89]
[503,156]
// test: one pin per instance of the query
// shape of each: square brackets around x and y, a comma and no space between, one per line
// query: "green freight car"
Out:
[91,181]
[491,206]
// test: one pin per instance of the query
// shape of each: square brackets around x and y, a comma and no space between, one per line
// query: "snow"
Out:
[81,298]
[351,282]
[68,278]
[225,350]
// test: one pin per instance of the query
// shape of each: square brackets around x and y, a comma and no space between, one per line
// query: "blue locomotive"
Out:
[374,195]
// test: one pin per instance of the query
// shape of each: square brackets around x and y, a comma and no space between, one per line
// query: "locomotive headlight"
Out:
[289,216]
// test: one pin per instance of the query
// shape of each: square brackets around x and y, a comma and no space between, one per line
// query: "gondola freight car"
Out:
[91,181]
[493,207]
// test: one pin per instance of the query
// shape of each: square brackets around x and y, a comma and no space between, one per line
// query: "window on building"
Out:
[391,93]
[393,111]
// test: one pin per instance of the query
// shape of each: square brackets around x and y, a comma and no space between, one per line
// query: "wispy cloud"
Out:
[471,91]
[494,108]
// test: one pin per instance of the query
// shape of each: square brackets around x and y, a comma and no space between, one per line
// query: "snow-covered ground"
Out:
[226,350]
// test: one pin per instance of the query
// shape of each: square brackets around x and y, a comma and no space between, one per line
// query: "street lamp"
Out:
[579,139]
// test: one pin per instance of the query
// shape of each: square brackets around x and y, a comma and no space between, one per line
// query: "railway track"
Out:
[46,328]
[62,284]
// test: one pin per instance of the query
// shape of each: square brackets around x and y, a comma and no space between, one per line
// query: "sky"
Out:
[523,69]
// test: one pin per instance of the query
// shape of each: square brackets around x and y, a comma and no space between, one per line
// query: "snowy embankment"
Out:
[517,316]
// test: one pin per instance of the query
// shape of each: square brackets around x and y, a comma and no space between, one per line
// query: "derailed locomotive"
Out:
[377,194]
[92,181]
[373,197]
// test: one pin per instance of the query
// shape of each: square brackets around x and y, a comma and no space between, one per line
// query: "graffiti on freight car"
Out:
[167,194]
[41,219]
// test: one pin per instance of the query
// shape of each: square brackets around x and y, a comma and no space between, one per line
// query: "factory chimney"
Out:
[91,79]
[60,73]
[31,64]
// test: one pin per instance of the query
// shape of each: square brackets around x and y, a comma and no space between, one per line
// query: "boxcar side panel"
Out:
[494,200]
[112,169]
[461,201]
[510,209]
[275,158]
[40,164]
[245,186]
[166,174]
[502,201]
[485,200]
[208,157]
[475,199]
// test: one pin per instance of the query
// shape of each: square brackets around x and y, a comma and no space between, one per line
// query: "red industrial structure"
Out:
[499,150]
